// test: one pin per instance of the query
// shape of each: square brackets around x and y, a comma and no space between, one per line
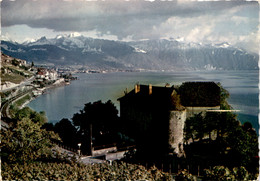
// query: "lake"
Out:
[63,102]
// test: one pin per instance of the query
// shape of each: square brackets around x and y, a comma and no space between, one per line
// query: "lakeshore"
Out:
[63,102]
[25,92]
[59,83]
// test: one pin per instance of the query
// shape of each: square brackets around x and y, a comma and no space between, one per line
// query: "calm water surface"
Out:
[63,102]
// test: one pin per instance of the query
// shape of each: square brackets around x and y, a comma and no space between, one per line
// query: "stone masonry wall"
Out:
[176,126]
[176,130]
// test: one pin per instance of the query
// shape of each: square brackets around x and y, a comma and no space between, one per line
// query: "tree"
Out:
[48,126]
[243,150]
[103,119]
[224,95]
[221,122]
[194,128]
[234,144]
[176,101]
[25,142]
[31,114]
[67,132]
[224,173]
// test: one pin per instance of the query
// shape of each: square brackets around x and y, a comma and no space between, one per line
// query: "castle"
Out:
[155,116]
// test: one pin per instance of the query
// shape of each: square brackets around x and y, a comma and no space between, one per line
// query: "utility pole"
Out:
[79,152]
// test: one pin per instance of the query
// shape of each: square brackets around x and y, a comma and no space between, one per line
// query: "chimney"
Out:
[150,89]
[137,88]
[126,91]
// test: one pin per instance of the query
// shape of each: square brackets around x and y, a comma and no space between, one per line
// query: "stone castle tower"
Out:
[155,116]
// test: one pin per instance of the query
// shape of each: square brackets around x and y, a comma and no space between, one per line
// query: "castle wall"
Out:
[176,125]
[176,130]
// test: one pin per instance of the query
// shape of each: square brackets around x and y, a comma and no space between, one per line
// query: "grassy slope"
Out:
[15,75]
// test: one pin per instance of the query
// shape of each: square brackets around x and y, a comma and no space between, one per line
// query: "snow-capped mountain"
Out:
[29,41]
[198,56]
[150,54]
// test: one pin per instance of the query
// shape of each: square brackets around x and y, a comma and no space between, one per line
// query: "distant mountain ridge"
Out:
[75,49]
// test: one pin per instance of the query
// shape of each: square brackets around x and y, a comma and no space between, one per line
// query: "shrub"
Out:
[240,173]
[219,173]
[223,173]
[65,171]
[25,142]
[184,175]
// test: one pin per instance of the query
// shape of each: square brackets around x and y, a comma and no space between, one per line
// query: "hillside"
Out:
[13,71]
[148,55]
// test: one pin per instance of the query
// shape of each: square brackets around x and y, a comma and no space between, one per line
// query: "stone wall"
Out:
[104,151]
[176,131]
[176,126]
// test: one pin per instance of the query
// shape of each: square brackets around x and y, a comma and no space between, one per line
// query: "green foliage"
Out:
[14,78]
[194,127]
[224,123]
[240,173]
[22,100]
[64,171]
[235,145]
[67,132]
[244,148]
[25,141]
[48,126]
[13,109]
[199,127]
[219,173]
[176,101]
[199,94]
[36,117]
[14,73]
[104,121]
[184,175]
[223,173]
[224,95]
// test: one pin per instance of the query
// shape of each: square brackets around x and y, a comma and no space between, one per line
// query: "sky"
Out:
[235,22]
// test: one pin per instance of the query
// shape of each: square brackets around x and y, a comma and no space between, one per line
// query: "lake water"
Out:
[63,102]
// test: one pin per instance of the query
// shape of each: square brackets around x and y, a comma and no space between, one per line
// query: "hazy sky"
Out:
[236,22]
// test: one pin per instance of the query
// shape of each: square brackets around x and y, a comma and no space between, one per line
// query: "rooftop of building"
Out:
[192,94]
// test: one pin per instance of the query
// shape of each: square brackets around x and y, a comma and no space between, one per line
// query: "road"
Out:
[26,82]
[6,103]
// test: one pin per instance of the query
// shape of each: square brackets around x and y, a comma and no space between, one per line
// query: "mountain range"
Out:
[159,54]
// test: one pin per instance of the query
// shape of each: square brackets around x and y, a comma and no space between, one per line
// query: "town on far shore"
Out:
[18,74]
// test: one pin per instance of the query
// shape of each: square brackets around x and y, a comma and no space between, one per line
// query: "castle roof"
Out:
[148,90]
[193,94]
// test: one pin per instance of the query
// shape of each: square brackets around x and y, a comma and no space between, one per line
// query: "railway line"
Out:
[5,105]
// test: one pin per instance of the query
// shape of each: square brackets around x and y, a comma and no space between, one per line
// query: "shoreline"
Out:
[52,86]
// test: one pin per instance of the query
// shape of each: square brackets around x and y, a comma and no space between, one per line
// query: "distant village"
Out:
[41,76]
